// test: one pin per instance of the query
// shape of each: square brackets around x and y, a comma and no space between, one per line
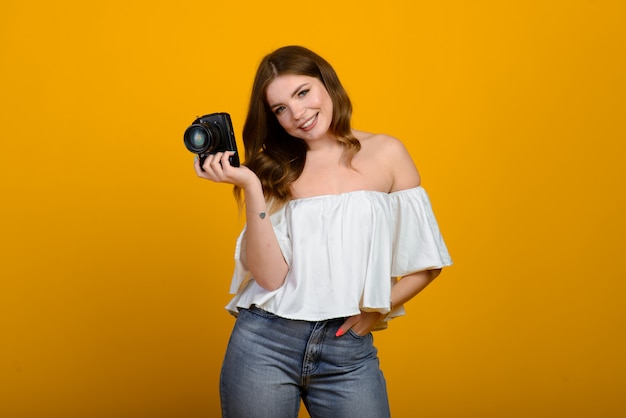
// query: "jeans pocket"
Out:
[352,333]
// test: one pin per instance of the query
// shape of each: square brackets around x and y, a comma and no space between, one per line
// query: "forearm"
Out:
[264,257]
[409,286]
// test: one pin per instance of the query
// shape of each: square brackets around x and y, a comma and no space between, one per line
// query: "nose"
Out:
[298,111]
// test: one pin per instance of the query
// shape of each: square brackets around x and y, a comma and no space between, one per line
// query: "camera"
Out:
[211,134]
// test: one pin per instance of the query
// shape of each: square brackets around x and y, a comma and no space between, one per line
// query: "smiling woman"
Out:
[115,259]
[306,113]
[314,279]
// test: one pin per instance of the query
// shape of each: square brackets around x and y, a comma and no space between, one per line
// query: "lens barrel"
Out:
[201,137]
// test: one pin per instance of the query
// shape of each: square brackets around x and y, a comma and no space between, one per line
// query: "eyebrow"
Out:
[292,94]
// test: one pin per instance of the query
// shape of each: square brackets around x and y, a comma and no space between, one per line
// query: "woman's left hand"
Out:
[361,324]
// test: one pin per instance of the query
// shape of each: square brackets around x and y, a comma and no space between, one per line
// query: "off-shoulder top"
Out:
[345,252]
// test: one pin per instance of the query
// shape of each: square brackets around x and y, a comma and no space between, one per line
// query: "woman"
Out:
[334,217]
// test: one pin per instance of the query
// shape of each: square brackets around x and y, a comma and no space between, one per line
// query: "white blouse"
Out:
[344,253]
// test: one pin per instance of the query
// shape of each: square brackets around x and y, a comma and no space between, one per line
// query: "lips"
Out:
[309,124]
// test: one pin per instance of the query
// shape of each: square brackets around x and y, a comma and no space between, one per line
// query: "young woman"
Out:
[339,235]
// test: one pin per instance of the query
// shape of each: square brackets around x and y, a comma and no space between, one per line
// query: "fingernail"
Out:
[340,332]
[195,158]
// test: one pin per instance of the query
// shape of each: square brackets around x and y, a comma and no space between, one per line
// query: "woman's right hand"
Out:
[217,168]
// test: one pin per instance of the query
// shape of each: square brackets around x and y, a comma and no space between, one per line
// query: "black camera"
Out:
[211,134]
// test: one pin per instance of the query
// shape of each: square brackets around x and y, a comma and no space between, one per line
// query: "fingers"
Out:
[361,324]
[215,167]
[225,159]
[196,164]
[349,323]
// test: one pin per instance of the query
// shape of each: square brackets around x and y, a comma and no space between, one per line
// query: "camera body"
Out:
[211,134]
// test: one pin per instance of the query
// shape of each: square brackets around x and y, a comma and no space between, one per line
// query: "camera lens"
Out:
[201,137]
[198,137]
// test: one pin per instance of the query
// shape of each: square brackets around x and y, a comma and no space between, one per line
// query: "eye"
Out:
[303,93]
[279,109]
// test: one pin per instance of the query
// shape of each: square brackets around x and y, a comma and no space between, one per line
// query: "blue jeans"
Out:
[272,362]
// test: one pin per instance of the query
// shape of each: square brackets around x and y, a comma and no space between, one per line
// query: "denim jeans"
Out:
[271,363]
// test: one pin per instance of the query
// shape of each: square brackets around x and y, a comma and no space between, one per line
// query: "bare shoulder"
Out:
[392,155]
[378,142]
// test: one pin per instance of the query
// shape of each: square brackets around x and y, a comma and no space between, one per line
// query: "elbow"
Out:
[269,285]
[434,273]
[269,281]
[269,273]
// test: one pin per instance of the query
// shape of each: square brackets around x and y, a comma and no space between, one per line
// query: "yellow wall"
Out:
[116,259]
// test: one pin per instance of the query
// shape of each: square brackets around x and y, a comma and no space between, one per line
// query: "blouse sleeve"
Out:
[418,244]
[241,275]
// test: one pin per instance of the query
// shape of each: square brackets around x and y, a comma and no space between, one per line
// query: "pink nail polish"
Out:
[340,332]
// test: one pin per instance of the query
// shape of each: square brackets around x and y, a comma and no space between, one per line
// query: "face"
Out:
[302,106]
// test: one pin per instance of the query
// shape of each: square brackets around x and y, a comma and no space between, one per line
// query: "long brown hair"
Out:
[276,157]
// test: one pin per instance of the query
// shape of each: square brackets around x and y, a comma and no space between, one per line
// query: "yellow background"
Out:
[116,259]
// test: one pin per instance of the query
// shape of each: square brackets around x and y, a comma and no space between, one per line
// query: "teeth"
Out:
[309,122]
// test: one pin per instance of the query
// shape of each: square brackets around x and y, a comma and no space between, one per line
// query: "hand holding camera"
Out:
[211,134]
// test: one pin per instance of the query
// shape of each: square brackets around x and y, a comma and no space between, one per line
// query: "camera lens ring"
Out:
[201,137]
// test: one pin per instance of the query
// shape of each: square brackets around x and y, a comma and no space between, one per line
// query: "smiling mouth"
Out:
[309,122]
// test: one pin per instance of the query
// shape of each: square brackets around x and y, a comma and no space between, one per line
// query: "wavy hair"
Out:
[276,157]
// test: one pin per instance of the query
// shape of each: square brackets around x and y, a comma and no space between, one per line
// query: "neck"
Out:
[328,143]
